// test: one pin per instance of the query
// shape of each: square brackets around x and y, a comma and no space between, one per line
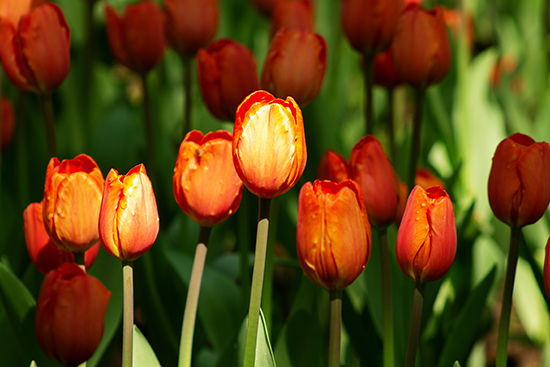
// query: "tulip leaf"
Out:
[264,353]
[143,355]
[456,364]
[33,364]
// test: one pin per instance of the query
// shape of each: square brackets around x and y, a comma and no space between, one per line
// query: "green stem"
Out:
[391,126]
[190,314]
[187,71]
[335,327]
[257,283]
[504,324]
[369,83]
[387,307]
[267,293]
[79,259]
[417,130]
[47,110]
[148,126]
[414,330]
[127,313]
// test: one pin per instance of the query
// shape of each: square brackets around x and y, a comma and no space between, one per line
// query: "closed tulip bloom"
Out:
[333,167]
[385,73]
[70,313]
[421,49]
[190,24]
[547,269]
[426,179]
[292,14]
[136,39]
[72,197]
[227,74]
[372,170]
[333,238]
[8,123]
[295,65]
[206,185]
[519,181]
[426,240]
[369,25]
[35,51]
[269,145]
[129,220]
[44,254]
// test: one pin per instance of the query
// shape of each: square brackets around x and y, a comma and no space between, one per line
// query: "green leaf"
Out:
[33,364]
[143,354]
[264,353]
[456,364]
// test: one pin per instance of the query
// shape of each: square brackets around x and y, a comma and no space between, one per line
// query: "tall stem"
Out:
[414,330]
[187,72]
[417,130]
[504,324]
[387,307]
[127,313]
[190,314]
[391,126]
[47,110]
[148,126]
[335,327]
[257,283]
[369,73]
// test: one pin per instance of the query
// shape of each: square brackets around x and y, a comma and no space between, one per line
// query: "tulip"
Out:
[425,179]
[12,10]
[519,181]
[385,73]
[206,185]
[333,167]
[372,170]
[265,7]
[44,254]
[128,220]
[547,269]
[227,74]
[137,38]
[421,49]
[72,197]
[295,65]
[426,240]
[8,123]
[333,239]
[35,52]
[292,14]
[190,24]
[269,145]
[70,314]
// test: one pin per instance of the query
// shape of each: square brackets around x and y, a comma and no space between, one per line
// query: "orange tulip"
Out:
[129,220]
[206,185]
[72,197]
[227,74]
[519,182]
[190,24]
[372,170]
[333,238]
[8,123]
[385,73]
[137,38]
[425,179]
[12,10]
[421,49]
[269,145]
[70,314]
[426,240]
[35,51]
[333,167]
[44,254]
[295,65]
[547,269]
[292,14]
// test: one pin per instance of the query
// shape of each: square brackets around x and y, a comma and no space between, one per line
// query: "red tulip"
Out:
[295,65]
[208,199]
[12,10]
[227,74]
[70,314]
[269,145]
[426,240]
[137,38]
[333,167]
[128,220]
[519,182]
[35,52]
[8,123]
[385,73]
[333,239]
[292,14]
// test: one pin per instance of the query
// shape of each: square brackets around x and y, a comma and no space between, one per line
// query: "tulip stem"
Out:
[128,313]
[187,71]
[414,330]
[369,84]
[415,144]
[47,110]
[387,307]
[148,126]
[335,327]
[504,324]
[79,259]
[190,313]
[257,283]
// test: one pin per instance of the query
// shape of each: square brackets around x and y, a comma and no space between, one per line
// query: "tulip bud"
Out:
[333,237]
[385,73]
[129,220]
[72,197]
[35,52]
[333,167]
[547,269]
[44,254]
[295,65]
[425,179]
[269,145]
[292,14]
[519,182]
[421,49]
[137,38]
[8,123]
[426,240]
[227,74]
[206,185]
[190,24]
[70,314]
[372,170]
